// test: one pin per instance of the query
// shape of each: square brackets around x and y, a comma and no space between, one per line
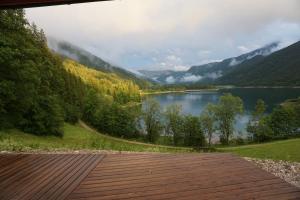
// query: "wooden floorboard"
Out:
[137,176]
[46,176]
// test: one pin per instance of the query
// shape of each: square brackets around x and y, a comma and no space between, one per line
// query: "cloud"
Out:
[176,32]
[234,62]
[243,49]
[173,58]
[210,61]
[181,68]
[190,78]
[213,75]
[136,72]
[204,52]
[170,79]
[170,62]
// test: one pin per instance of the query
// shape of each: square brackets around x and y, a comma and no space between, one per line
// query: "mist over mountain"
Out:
[154,75]
[281,68]
[86,58]
[209,73]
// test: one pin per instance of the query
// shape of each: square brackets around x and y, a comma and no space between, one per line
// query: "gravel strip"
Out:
[288,171]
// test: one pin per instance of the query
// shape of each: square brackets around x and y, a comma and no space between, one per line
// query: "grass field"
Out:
[280,150]
[76,137]
[82,137]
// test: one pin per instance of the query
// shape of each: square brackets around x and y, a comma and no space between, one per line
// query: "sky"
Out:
[170,34]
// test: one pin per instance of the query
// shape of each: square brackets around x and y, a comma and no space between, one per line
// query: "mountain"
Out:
[210,72]
[86,58]
[281,68]
[229,64]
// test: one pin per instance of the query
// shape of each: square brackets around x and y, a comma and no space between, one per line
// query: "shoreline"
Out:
[162,92]
[219,88]
[262,87]
[180,91]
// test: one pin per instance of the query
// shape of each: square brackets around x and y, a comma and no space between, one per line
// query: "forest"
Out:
[40,90]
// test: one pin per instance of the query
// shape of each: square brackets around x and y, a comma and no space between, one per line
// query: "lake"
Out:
[194,102]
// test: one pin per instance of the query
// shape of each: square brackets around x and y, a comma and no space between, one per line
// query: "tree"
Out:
[258,124]
[282,121]
[259,110]
[294,106]
[44,117]
[262,131]
[121,120]
[226,111]
[18,74]
[72,113]
[174,123]
[207,119]
[193,135]
[152,119]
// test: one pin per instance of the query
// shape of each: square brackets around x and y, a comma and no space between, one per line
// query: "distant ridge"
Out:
[210,72]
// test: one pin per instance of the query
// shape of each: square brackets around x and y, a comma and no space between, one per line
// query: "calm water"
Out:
[194,102]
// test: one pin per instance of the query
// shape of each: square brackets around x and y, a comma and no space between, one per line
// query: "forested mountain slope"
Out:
[229,64]
[122,90]
[281,68]
[88,59]
[40,90]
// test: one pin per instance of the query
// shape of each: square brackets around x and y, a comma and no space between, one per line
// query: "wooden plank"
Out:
[165,166]
[145,177]
[65,181]
[8,159]
[155,162]
[21,171]
[54,191]
[214,176]
[9,170]
[47,176]
[58,178]
[138,177]
[78,179]
[17,187]
[159,180]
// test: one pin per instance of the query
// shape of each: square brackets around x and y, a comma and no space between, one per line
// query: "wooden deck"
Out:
[137,176]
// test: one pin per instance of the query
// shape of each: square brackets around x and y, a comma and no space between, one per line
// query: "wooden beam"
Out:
[5,4]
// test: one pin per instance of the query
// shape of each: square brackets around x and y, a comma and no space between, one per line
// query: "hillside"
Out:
[40,91]
[122,90]
[281,68]
[88,59]
[76,137]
